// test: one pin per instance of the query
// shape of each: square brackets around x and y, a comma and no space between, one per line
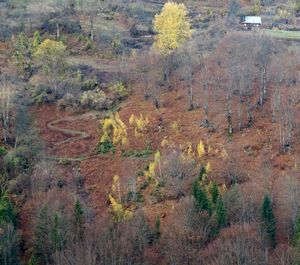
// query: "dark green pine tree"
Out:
[201,198]
[157,228]
[33,260]
[269,222]
[214,191]
[57,233]
[221,213]
[78,220]
[202,172]
[9,239]
[7,213]
[296,235]
[42,237]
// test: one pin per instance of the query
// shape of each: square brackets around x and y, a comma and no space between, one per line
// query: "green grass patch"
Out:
[105,147]
[138,153]
[282,34]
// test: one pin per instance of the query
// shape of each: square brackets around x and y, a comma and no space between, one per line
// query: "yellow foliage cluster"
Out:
[175,127]
[141,124]
[187,151]
[208,167]
[190,152]
[49,47]
[173,27]
[114,129]
[150,173]
[224,154]
[51,55]
[200,149]
[115,188]
[119,89]
[118,210]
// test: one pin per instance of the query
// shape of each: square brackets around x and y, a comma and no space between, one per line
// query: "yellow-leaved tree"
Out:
[114,130]
[172,26]
[50,56]
[114,133]
[150,173]
[141,124]
[118,210]
[200,149]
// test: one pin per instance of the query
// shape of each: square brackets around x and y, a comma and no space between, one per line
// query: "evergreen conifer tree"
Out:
[201,198]
[202,172]
[214,191]
[42,237]
[296,235]
[269,222]
[221,213]
[79,220]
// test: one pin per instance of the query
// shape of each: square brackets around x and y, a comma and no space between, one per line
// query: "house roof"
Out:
[252,20]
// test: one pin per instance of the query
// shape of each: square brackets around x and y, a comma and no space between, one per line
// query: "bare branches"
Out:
[7,93]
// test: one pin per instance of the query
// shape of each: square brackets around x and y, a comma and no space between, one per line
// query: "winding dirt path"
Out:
[73,135]
[53,126]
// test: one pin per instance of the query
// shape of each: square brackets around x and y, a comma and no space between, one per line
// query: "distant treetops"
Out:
[172,26]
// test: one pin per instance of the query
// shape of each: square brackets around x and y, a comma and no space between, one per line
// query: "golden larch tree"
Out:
[172,26]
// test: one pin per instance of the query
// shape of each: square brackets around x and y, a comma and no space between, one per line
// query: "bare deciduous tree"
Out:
[7,93]
[176,173]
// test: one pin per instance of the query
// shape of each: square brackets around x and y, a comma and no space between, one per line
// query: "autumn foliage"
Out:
[172,26]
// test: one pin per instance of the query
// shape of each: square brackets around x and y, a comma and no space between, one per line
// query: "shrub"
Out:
[135,196]
[105,147]
[19,184]
[22,55]
[21,159]
[89,84]
[94,99]
[16,162]
[40,94]
[67,101]
[2,150]
[157,194]
[119,90]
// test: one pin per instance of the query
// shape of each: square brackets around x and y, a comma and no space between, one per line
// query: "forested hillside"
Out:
[149,132]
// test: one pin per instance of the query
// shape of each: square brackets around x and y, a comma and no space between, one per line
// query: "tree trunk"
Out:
[57,31]
[92,28]
[205,122]
[229,112]
[190,96]
[249,111]
[240,110]
[264,83]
